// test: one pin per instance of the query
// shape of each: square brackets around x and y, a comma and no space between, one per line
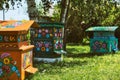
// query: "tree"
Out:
[86,13]
[63,17]
[32,10]
[5,3]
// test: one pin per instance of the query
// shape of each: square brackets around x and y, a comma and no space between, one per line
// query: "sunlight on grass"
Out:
[79,64]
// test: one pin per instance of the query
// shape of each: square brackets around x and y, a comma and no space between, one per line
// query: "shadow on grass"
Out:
[58,66]
[74,50]
[77,44]
[82,55]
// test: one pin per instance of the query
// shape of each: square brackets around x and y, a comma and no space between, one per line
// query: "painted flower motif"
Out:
[7,65]
[1,64]
[43,44]
[40,31]
[4,55]
[14,68]
[6,69]
[46,30]
[18,39]
[104,45]
[43,49]
[96,42]
[18,74]
[6,61]
[51,35]
[38,49]
[43,33]
[1,72]
[47,35]
[17,71]
[47,45]
[60,34]
[55,34]
[47,49]
[94,47]
[56,46]
[13,62]
[39,35]
[39,44]
[60,46]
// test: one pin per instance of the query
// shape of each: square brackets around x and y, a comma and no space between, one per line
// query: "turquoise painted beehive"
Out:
[103,39]
[48,41]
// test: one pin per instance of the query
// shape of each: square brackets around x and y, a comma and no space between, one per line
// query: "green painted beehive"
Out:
[103,39]
[48,40]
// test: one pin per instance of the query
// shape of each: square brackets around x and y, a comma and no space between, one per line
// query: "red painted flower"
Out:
[43,33]
[6,69]
[104,45]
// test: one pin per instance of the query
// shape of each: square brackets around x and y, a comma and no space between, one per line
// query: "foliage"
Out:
[79,64]
[86,13]
[40,9]
[56,13]
[47,4]
[6,3]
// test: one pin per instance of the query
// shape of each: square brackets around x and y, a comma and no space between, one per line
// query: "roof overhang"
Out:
[103,28]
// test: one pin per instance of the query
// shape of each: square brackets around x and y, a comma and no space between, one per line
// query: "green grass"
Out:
[79,64]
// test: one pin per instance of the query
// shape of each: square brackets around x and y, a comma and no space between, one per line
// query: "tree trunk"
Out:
[63,17]
[64,10]
[32,10]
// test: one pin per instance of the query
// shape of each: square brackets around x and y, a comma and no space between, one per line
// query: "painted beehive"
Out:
[15,52]
[103,39]
[48,41]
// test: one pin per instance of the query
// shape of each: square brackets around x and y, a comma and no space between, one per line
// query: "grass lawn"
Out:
[79,64]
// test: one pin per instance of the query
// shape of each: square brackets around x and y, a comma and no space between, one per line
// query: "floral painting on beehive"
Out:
[7,66]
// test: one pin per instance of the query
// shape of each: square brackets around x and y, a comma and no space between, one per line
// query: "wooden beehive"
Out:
[16,54]
[103,39]
[48,40]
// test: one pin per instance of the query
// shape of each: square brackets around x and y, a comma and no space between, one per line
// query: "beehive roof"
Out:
[49,24]
[16,25]
[102,28]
